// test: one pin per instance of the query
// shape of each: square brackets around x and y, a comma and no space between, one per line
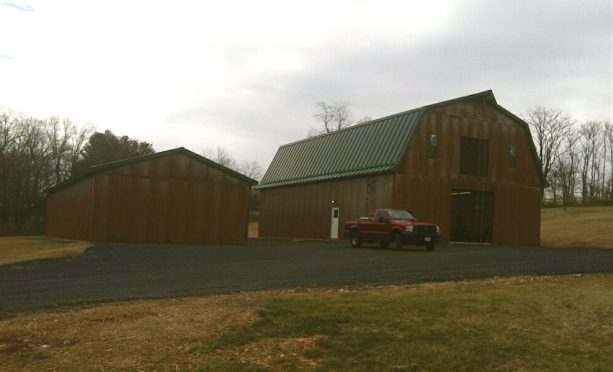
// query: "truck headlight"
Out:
[409,228]
[438,230]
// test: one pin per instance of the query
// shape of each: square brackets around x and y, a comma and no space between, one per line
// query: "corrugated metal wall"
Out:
[70,212]
[425,185]
[305,211]
[173,199]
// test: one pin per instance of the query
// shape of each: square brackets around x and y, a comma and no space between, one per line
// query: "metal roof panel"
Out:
[375,146]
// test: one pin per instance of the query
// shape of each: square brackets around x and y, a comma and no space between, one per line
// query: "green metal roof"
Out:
[371,148]
[375,147]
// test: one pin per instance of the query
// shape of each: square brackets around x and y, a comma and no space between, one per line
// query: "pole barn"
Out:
[174,196]
[466,164]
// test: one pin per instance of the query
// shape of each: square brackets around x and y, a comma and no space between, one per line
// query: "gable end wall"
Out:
[171,199]
[424,185]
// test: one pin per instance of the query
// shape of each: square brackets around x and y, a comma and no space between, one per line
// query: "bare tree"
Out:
[220,155]
[35,154]
[251,169]
[363,119]
[603,160]
[332,117]
[565,170]
[590,146]
[609,137]
[550,127]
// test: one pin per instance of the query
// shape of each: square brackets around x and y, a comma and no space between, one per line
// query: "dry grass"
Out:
[578,226]
[141,335]
[24,248]
[524,323]
[253,230]
[254,225]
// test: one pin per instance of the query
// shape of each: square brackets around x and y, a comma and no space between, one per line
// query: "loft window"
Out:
[513,156]
[433,146]
[474,156]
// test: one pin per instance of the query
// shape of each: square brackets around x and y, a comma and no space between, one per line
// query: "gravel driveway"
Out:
[111,272]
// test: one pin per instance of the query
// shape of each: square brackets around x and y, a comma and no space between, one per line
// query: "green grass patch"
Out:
[288,318]
[545,324]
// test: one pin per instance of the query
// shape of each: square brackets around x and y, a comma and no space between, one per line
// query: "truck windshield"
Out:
[401,215]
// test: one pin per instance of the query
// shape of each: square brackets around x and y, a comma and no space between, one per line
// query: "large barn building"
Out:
[174,196]
[467,164]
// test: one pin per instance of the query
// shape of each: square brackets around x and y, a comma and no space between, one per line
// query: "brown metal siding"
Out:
[304,211]
[424,185]
[69,213]
[172,199]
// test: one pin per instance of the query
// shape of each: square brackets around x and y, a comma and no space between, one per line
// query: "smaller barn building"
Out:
[467,164]
[173,196]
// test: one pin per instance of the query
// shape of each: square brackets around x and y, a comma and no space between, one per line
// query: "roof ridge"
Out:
[136,159]
[360,125]
[410,111]
[114,163]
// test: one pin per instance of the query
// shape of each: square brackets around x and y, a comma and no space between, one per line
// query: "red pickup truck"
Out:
[392,226]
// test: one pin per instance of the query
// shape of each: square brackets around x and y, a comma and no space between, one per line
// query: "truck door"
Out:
[380,228]
[335,217]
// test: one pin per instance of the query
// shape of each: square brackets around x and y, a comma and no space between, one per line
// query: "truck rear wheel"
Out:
[356,239]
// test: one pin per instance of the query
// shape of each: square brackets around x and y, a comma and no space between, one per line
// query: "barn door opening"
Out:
[334,223]
[471,216]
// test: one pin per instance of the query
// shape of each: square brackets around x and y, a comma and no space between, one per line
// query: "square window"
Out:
[433,146]
[474,156]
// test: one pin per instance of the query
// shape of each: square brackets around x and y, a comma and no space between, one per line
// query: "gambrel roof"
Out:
[371,148]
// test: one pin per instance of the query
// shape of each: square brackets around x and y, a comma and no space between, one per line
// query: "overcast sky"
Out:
[246,74]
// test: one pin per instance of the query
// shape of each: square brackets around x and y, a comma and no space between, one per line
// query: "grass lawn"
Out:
[24,248]
[578,226]
[524,323]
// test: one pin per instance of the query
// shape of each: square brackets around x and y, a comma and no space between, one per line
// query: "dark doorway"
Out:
[471,216]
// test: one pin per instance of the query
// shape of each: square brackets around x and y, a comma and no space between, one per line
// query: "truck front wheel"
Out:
[397,241]
[356,239]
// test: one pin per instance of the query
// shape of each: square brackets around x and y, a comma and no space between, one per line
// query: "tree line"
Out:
[37,154]
[576,158]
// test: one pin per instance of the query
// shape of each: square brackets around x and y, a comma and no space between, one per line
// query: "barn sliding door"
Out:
[471,216]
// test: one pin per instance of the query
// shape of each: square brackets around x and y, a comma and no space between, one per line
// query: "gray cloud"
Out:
[527,55]
[557,54]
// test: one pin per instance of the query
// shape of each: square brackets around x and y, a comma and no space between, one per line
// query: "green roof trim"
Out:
[137,159]
[372,148]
